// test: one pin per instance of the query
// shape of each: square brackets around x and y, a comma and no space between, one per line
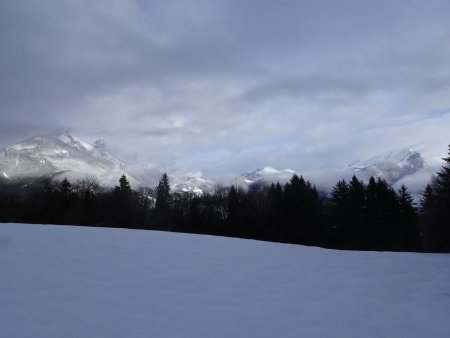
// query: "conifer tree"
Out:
[65,187]
[407,236]
[442,187]
[406,201]
[124,186]
[122,214]
[276,216]
[427,201]
[163,201]
[436,204]
[339,206]
[65,197]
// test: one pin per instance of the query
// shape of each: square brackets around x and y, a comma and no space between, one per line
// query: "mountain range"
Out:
[66,156]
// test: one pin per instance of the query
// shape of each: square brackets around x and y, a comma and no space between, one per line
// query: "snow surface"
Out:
[267,175]
[62,281]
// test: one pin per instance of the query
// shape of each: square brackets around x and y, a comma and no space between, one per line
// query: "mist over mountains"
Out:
[59,156]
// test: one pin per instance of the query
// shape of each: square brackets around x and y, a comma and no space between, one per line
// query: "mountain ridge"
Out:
[63,155]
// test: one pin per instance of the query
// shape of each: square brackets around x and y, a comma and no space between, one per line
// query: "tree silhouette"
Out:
[124,186]
[123,204]
[427,202]
[407,236]
[436,210]
[163,201]
[65,187]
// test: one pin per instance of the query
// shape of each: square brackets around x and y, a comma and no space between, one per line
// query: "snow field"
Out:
[62,281]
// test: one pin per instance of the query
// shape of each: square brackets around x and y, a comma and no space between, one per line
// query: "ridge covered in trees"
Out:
[356,215]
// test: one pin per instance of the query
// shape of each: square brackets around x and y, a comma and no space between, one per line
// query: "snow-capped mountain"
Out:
[266,175]
[392,166]
[58,157]
[66,156]
[192,183]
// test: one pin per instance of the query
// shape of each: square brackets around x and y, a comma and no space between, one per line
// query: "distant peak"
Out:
[268,170]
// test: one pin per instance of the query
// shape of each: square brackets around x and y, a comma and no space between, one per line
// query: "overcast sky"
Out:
[228,86]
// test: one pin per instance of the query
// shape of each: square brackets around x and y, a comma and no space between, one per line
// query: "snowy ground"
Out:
[60,281]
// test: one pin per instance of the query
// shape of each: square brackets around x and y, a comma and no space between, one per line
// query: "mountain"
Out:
[58,157]
[192,183]
[392,166]
[66,156]
[266,175]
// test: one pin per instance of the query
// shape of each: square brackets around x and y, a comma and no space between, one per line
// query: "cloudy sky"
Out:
[228,86]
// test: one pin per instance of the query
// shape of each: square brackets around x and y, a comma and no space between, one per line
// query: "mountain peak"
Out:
[59,156]
[265,175]
[391,166]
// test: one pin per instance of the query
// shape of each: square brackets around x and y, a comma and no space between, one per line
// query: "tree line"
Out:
[356,215]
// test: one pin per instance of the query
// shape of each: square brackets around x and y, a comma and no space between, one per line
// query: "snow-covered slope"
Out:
[61,281]
[266,175]
[58,157]
[392,166]
[192,183]
[66,156]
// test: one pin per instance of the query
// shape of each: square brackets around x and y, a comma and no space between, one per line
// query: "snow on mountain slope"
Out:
[392,166]
[58,157]
[265,175]
[65,156]
[62,281]
[192,183]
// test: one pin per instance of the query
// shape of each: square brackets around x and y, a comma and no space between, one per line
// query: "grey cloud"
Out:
[234,82]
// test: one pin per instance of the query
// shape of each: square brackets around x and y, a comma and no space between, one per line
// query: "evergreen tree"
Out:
[386,231]
[408,233]
[406,201]
[340,214]
[275,217]
[436,210]
[124,186]
[65,187]
[302,210]
[64,203]
[428,200]
[123,214]
[357,209]
[163,201]
[357,197]
[442,187]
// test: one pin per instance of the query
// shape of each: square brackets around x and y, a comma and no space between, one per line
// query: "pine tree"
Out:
[124,186]
[340,214]
[276,216]
[65,198]
[339,193]
[442,187]
[163,201]
[428,200]
[122,213]
[407,236]
[65,187]
[436,204]
[406,201]
[387,215]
